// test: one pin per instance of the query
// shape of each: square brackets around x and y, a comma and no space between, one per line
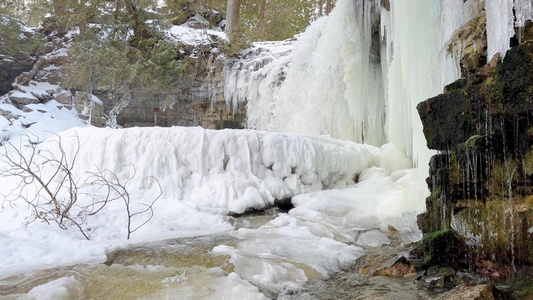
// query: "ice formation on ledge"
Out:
[228,170]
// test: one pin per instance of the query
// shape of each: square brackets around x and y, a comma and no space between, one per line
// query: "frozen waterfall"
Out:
[361,83]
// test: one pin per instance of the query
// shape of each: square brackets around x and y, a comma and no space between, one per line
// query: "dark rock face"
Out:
[10,69]
[447,119]
[199,101]
[482,181]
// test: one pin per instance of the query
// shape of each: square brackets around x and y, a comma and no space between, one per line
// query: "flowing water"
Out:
[187,269]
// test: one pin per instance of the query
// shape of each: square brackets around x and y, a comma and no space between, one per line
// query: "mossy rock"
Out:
[490,222]
[443,248]
[456,85]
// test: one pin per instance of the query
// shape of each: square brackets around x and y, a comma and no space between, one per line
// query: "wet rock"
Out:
[465,292]
[522,285]
[441,248]
[401,268]
[384,263]
[447,119]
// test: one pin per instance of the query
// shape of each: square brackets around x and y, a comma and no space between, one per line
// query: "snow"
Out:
[43,121]
[96,100]
[316,238]
[286,239]
[205,175]
[373,238]
[40,89]
[26,95]
[60,289]
[191,36]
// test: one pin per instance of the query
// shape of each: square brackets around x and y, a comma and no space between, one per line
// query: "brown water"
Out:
[138,272]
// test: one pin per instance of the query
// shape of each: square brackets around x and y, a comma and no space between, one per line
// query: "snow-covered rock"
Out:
[23,98]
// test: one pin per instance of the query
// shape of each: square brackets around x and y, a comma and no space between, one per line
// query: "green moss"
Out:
[490,223]
[432,220]
[443,249]
[493,90]
[522,287]
[456,85]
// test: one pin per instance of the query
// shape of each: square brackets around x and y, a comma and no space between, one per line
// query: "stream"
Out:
[187,268]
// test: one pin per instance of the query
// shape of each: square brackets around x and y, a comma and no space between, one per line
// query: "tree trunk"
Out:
[59,11]
[210,13]
[262,10]
[329,6]
[232,15]
[320,8]
[139,28]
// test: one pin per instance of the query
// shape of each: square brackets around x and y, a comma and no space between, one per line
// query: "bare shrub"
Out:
[53,196]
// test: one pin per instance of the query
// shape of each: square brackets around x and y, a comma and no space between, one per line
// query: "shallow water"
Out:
[346,285]
[187,269]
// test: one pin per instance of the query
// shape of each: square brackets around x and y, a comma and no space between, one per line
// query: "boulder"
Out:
[64,97]
[198,22]
[23,98]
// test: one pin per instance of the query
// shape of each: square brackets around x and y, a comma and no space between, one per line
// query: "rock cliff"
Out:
[482,179]
[199,99]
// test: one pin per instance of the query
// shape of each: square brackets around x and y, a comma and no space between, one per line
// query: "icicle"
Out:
[500,28]
[523,12]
